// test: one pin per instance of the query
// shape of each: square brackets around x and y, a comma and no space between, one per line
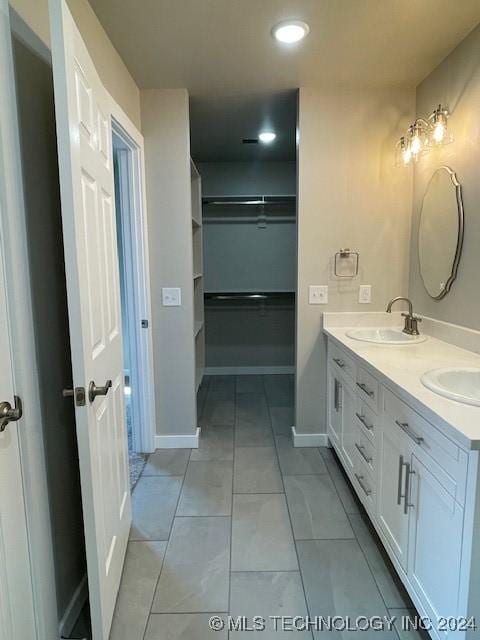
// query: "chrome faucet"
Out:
[411,321]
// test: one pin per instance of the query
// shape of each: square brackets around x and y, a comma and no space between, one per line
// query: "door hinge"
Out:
[144,324]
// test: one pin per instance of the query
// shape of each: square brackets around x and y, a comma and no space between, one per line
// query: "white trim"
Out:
[178,442]
[237,371]
[74,608]
[309,439]
[143,366]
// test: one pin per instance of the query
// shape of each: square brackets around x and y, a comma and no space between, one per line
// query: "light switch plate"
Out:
[318,294]
[171,297]
[365,294]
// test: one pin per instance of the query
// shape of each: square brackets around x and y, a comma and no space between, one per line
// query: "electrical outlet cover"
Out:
[365,294]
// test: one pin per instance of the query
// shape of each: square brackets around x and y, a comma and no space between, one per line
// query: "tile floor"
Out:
[247,525]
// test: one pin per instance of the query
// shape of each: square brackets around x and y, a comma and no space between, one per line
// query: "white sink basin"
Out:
[461,384]
[384,336]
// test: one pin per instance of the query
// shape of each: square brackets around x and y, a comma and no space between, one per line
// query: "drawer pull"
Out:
[367,491]
[340,363]
[364,422]
[365,389]
[404,426]
[361,451]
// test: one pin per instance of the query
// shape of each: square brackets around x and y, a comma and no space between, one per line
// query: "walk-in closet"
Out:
[248,233]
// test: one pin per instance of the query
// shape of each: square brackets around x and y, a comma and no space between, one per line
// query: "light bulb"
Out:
[415,145]
[439,132]
[267,137]
[406,155]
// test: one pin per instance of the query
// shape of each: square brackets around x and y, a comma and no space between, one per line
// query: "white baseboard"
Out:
[74,608]
[245,371]
[309,439]
[178,442]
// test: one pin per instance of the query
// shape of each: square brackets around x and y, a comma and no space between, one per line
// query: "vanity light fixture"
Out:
[267,137]
[422,135]
[290,31]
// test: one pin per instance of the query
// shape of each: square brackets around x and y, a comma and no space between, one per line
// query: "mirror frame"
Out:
[461,229]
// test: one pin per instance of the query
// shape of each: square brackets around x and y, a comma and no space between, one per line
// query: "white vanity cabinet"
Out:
[414,483]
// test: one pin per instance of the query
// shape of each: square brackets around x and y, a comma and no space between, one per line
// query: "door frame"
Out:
[30,429]
[135,227]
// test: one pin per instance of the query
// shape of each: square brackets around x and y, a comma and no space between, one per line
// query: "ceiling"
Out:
[219,125]
[223,53]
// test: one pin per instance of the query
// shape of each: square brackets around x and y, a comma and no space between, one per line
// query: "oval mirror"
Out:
[440,236]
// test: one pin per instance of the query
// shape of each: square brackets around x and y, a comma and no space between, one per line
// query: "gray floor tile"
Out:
[406,626]
[262,538]
[216,443]
[283,418]
[222,387]
[154,501]
[346,493]
[268,594]
[298,460]
[195,573]
[249,384]
[167,462]
[207,489]
[143,563]
[389,584]
[183,626]
[218,410]
[280,390]
[315,508]
[338,582]
[256,471]
[327,453]
[252,426]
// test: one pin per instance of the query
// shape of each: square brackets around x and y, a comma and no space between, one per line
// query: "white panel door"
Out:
[93,289]
[17,620]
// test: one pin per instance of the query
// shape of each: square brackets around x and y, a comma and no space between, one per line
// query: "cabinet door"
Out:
[393,461]
[436,523]
[349,426]
[335,392]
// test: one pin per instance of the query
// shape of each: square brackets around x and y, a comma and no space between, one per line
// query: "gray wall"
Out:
[42,204]
[350,194]
[456,83]
[165,119]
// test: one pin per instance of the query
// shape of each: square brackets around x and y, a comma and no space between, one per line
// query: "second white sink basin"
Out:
[457,383]
[387,335]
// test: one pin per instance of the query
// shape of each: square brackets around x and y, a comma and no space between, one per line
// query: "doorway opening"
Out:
[134,297]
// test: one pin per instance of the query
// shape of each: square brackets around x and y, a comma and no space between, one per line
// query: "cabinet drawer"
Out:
[368,388]
[342,361]
[364,484]
[366,419]
[426,439]
[366,450]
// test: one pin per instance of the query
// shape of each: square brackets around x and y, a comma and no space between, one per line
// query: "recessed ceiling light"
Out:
[267,137]
[291,31]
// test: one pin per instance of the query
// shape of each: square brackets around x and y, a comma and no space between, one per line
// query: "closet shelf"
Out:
[252,296]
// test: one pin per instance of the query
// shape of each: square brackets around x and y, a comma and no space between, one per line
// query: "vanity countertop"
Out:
[401,367]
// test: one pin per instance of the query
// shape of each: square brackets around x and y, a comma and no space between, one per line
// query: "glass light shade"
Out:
[417,139]
[403,154]
[439,134]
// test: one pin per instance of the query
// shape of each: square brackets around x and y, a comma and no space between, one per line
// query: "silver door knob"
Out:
[94,391]
[9,413]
